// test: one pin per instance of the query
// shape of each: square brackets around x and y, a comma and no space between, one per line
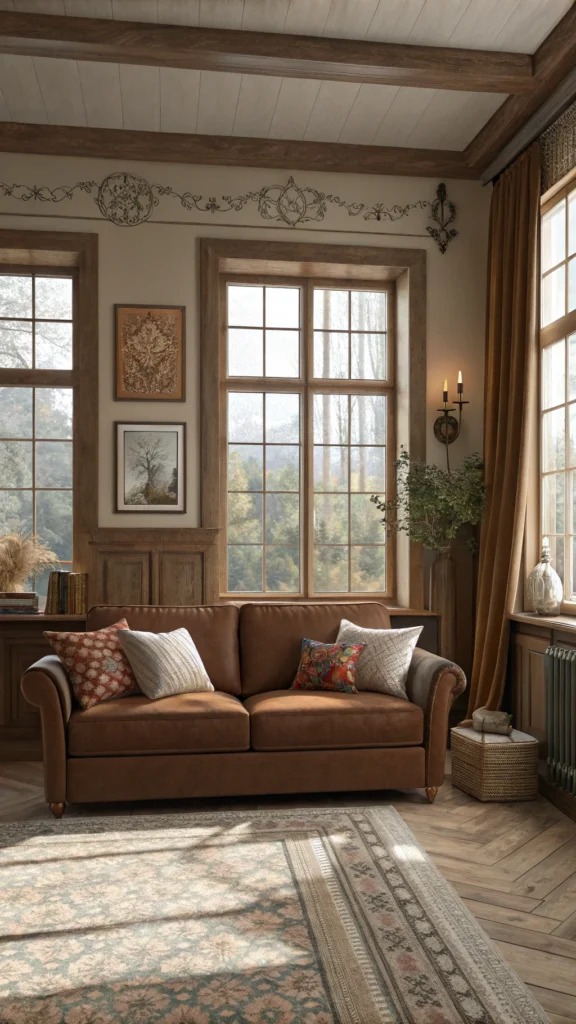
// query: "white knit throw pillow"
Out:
[384,663]
[165,663]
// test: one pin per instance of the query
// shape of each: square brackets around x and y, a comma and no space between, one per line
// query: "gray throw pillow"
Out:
[384,663]
[165,663]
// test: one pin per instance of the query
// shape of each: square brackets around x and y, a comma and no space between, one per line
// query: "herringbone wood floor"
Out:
[513,864]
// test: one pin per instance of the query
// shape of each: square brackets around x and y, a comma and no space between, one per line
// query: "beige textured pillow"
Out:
[165,663]
[384,663]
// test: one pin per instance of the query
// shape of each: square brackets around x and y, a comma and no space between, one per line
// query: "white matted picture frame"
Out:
[150,467]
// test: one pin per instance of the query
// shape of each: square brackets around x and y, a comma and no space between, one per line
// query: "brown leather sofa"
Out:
[252,735]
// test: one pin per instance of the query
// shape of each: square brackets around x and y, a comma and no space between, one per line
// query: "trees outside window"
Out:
[36,415]
[558,384]
[308,406]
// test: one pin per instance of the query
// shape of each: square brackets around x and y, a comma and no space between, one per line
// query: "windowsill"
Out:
[344,599]
[43,617]
[532,619]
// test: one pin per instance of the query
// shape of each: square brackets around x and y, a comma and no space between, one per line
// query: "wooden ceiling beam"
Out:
[230,151]
[265,53]
[553,61]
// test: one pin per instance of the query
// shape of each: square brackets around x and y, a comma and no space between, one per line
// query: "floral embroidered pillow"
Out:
[327,666]
[97,667]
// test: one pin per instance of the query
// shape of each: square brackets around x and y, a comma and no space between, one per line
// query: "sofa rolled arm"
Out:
[45,684]
[52,667]
[433,684]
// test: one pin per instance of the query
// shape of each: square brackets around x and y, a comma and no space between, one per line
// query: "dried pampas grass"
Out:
[22,558]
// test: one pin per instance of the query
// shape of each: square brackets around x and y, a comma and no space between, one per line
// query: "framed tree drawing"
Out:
[150,353]
[150,467]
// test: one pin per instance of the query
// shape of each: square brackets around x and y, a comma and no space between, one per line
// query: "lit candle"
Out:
[445,393]
[460,385]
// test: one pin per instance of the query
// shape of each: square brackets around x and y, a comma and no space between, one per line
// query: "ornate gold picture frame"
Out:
[150,353]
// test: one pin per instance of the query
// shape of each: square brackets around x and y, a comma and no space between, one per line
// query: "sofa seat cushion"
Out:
[187,723]
[325,720]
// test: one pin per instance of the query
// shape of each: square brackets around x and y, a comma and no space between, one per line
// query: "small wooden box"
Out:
[493,767]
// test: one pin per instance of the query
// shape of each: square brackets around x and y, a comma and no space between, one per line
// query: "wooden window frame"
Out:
[305,386]
[76,255]
[402,272]
[558,330]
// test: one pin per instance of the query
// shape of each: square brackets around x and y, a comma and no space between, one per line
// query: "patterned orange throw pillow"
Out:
[97,667]
[327,666]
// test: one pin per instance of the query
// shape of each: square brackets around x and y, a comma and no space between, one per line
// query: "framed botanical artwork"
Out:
[150,467]
[150,353]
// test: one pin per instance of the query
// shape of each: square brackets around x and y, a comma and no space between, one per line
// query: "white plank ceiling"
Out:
[44,90]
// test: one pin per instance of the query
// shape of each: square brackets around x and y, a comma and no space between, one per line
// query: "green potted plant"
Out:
[431,506]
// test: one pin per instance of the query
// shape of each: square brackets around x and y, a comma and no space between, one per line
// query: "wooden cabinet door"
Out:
[124,577]
[180,577]
[529,701]
[20,655]
[21,644]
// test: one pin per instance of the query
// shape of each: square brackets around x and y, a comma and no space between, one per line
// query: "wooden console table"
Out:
[21,644]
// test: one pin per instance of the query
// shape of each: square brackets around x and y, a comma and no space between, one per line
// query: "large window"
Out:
[558,384]
[36,421]
[307,409]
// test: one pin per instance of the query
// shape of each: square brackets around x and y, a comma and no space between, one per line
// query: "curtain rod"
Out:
[546,114]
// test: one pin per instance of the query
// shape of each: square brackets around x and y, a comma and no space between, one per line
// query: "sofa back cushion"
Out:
[271,637]
[213,628]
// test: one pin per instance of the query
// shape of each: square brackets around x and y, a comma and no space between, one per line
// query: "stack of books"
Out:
[66,593]
[12,603]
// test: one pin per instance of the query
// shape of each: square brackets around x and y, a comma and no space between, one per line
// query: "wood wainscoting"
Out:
[21,644]
[530,636]
[125,566]
[144,566]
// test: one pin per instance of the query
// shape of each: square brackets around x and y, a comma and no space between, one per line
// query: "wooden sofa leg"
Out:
[57,809]
[431,792]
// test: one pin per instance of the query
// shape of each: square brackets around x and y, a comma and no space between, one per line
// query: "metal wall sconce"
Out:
[446,426]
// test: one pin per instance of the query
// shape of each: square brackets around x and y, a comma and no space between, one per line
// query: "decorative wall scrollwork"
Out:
[443,212]
[128,200]
[43,194]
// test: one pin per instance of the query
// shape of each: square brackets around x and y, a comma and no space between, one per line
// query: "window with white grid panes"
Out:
[558,384]
[308,400]
[36,421]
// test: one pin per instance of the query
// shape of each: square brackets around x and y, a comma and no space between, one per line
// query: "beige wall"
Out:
[156,262]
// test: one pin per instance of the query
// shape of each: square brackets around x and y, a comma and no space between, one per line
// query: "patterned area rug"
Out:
[289,917]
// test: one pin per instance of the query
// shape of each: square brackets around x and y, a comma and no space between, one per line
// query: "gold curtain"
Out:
[510,393]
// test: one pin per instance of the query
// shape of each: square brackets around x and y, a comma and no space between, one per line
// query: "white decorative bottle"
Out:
[544,591]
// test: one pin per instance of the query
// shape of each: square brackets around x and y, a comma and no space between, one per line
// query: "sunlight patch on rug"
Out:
[290,917]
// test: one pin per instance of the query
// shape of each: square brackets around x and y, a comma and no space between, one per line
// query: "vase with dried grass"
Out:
[22,558]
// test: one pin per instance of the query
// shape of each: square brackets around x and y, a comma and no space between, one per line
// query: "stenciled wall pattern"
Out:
[128,200]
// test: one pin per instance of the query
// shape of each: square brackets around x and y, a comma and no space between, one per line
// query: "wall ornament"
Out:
[128,200]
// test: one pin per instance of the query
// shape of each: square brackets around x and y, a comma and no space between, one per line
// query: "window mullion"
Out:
[567,487]
[567,574]
[307,446]
[350,492]
[264,464]
[34,530]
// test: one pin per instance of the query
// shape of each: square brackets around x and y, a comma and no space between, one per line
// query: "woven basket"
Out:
[492,767]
